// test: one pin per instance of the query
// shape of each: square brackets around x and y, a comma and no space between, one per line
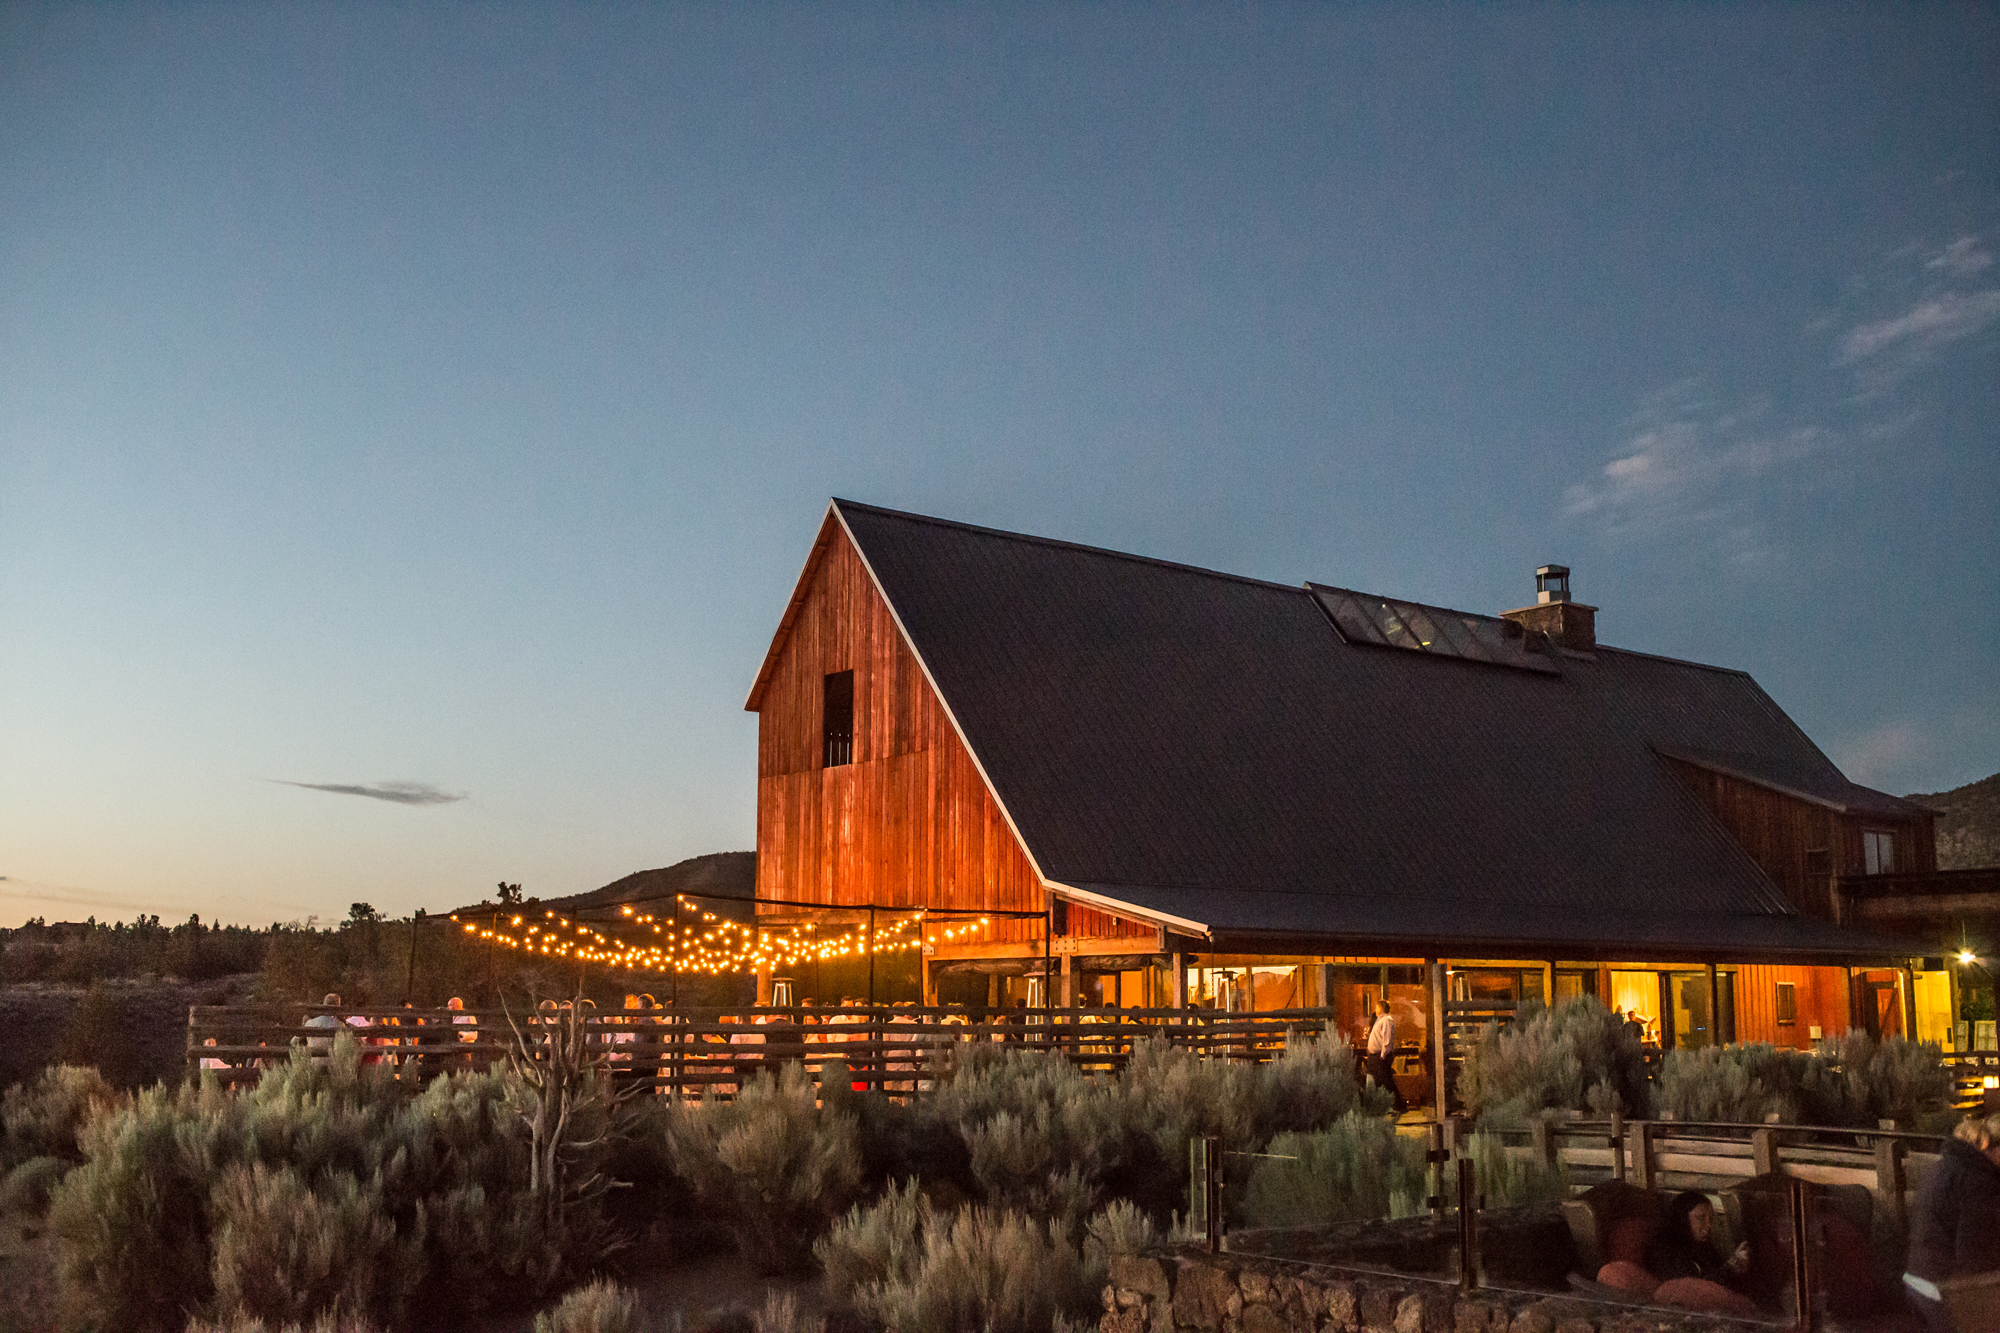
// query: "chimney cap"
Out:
[1551,584]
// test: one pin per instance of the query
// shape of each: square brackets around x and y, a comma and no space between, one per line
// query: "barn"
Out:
[1094,779]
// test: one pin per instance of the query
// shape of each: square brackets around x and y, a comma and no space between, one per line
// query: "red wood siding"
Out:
[909,822]
[1089,923]
[1820,993]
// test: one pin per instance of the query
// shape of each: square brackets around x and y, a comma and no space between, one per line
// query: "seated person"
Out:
[1685,1246]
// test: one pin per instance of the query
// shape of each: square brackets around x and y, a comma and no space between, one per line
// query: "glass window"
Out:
[837,712]
[1354,623]
[1420,625]
[1878,852]
[1394,631]
[1788,1003]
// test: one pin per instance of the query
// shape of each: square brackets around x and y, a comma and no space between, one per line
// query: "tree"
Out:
[361,913]
[510,894]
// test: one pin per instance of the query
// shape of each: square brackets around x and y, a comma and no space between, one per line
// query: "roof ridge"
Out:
[1304,586]
[1678,661]
[1071,546]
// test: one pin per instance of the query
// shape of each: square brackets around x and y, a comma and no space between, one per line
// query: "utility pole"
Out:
[410,982]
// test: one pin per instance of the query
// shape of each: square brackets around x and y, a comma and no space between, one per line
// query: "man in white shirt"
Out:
[1381,1049]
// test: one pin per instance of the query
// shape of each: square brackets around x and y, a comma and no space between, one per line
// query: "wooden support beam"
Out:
[1644,1172]
[1714,1006]
[1440,1048]
[1890,1181]
[1764,1151]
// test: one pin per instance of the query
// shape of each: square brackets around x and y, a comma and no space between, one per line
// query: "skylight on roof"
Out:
[1437,630]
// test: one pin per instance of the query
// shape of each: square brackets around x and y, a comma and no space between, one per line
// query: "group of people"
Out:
[1954,1233]
[644,1042]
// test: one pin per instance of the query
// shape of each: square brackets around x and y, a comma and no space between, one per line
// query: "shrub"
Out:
[904,1264]
[780,1314]
[285,1250]
[1357,1168]
[26,1189]
[1850,1081]
[1504,1176]
[326,1323]
[131,1222]
[1175,1095]
[1904,1081]
[601,1307]
[1575,1057]
[323,1187]
[775,1163]
[41,1119]
[1120,1229]
[1744,1084]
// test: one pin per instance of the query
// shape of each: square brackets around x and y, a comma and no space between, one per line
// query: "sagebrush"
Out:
[1578,1056]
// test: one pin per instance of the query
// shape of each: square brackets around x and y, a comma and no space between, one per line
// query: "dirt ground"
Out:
[27,1277]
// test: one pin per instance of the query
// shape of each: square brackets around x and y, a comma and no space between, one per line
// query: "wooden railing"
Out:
[1970,1071]
[714,1051]
[1711,1155]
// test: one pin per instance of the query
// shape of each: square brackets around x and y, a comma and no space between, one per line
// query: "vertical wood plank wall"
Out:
[1779,830]
[1089,923]
[910,821]
[1821,994]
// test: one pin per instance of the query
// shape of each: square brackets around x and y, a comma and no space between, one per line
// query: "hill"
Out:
[733,874]
[1968,827]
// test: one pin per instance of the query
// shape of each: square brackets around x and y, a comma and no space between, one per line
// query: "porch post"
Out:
[1714,1007]
[1440,1054]
[1906,978]
[1177,963]
[924,961]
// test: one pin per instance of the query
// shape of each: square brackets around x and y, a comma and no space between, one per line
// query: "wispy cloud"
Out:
[1685,466]
[1928,325]
[1963,258]
[1939,305]
[397,793]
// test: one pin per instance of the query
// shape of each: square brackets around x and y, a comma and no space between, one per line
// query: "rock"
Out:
[1425,1312]
[1202,1295]
[1575,1324]
[1262,1319]
[1255,1286]
[1232,1309]
[1125,1321]
[1378,1307]
[1127,1298]
[1534,1319]
[1479,1317]
[1343,1311]
[1135,1273]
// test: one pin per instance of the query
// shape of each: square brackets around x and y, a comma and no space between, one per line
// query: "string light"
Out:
[713,944]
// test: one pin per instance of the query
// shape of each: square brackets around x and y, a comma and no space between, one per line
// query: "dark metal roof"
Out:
[1208,748]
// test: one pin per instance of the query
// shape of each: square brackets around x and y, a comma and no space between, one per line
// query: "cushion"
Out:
[1627,1239]
[1849,1266]
[1698,1293]
[1622,1275]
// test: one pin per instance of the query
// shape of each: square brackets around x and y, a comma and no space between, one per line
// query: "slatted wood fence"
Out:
[710,1051]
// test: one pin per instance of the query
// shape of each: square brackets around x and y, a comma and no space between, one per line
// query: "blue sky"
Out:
[448,395]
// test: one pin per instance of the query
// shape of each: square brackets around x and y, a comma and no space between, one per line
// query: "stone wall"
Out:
[1227,1293]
